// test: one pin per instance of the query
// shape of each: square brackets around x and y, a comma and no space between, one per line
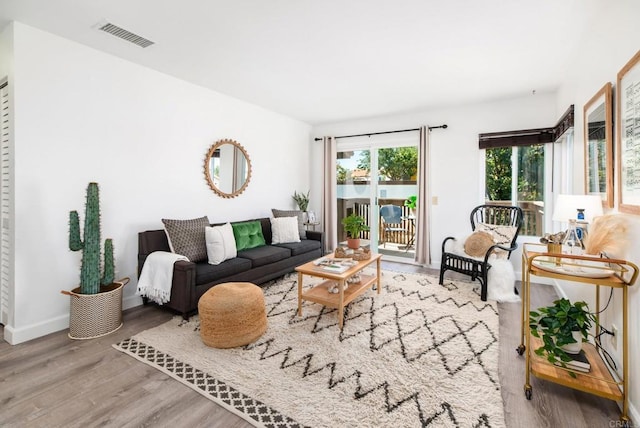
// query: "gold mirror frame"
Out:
[236,187]
[598,146]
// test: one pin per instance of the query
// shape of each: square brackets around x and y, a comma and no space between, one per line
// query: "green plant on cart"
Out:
[555,325]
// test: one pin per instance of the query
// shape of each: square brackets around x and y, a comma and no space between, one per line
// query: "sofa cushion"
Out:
[248,235]
[284,229]
[221,244]
[292,213]
[302,247]
[186,237]
[206,273]
[264,255]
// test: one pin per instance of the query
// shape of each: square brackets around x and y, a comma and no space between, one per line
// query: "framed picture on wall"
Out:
[598,146]
[311,217]
[628,136]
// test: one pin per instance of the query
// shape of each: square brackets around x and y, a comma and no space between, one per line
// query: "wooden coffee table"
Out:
[320,293]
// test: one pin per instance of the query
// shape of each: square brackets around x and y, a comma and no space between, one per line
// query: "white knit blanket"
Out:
[157,275]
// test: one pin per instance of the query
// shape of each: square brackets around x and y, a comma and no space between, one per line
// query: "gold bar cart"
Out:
[600,272]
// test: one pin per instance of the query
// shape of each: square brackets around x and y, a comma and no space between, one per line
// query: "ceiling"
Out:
[334,60]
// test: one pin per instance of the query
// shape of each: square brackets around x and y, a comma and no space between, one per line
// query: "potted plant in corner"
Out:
[354,225]
[562,327]
[96,305]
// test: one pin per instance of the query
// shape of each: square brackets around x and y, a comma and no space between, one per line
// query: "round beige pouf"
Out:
[232,314]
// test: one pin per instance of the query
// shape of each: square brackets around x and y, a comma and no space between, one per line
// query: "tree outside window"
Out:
[394,164]
[528,161]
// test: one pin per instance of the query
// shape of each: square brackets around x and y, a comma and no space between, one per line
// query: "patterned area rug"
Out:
[418,354]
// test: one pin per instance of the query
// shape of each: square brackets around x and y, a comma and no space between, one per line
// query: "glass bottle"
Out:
[579,229]
[572,242]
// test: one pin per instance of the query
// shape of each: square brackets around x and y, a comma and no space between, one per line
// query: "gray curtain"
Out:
[424,203]
[329,193]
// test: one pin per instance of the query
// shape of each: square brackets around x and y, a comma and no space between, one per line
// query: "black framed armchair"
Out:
[504,224]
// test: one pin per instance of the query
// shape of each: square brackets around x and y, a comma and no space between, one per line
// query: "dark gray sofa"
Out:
[257,265]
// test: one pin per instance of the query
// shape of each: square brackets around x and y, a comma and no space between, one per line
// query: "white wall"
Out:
[456,160]
[596,60]
[82,115]
[455,157]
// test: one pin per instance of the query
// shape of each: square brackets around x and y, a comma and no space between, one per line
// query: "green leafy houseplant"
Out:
[90,279]
[302,200]
[556,324]
[353,225]
[411,202]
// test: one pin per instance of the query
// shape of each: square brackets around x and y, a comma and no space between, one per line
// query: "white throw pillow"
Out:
[284,230]
[221,244]
[502,235]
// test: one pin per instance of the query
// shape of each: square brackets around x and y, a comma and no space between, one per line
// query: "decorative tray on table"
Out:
[359,254]
[574,269]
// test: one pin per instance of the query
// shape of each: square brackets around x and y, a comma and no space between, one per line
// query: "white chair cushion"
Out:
[502,235]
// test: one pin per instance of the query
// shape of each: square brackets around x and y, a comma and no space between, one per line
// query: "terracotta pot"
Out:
[353,243]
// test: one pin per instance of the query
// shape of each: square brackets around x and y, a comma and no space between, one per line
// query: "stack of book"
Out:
[331,265]
[579,362]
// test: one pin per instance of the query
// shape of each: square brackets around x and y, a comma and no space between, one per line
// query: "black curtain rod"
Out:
[385,132]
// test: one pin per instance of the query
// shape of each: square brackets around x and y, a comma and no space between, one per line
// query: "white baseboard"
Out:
[634,415]
[131,302]
[19,335]
[15,336]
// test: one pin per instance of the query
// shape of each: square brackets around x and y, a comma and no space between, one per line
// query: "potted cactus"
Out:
[96,305]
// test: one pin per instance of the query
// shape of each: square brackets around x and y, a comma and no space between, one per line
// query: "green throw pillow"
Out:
[248,235]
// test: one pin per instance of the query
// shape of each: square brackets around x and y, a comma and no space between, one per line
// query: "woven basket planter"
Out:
[96,315]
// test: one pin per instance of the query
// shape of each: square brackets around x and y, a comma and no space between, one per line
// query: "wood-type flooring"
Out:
[54,381]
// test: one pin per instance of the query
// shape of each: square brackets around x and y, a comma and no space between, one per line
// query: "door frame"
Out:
[373,143]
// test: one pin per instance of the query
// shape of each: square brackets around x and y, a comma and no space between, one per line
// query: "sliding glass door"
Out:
[374,181]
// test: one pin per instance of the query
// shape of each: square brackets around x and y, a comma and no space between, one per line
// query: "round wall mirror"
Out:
[227,168]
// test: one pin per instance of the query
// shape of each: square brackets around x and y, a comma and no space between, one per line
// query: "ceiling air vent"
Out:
[125,35]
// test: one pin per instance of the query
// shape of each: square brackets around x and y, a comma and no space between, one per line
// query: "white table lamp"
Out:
[566,207]
[566,211]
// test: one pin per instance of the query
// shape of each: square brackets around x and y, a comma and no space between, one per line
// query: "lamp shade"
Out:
[566,207]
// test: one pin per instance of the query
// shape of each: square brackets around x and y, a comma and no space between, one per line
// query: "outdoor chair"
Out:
[391,222]
[503,223]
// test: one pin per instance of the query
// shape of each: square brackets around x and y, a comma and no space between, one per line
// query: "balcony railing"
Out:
[533,218]
[362,207]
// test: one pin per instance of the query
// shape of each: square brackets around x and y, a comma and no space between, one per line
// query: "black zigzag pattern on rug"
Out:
[286,305]
[360,390]
[283,302]
[209,385]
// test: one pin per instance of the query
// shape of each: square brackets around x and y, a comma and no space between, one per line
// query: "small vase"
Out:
[554,248]
[574,348]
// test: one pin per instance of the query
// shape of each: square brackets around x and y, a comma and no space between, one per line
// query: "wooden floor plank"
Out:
[54,381]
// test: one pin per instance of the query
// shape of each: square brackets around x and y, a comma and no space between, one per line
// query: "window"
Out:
[516,176]
[526,168]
